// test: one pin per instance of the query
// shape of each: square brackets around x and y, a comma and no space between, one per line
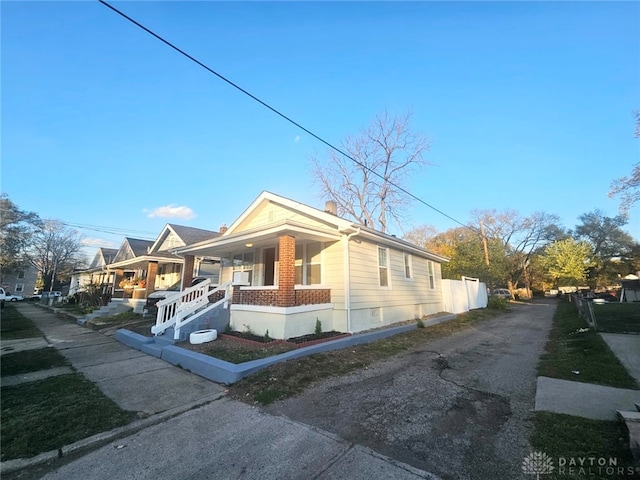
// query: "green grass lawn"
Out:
[574,348]
[31,361]
[14,325]
[566,436]
[51,413]
[47,414]
[618,317]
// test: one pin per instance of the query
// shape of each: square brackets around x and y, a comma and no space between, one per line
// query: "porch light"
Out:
[248,245]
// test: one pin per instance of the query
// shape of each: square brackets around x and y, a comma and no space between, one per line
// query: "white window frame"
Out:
[305,263]
[384,268]
[431,275]
[245,266]
[408,266]
[19,288]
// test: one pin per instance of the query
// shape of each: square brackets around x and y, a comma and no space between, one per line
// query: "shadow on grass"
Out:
[49,414]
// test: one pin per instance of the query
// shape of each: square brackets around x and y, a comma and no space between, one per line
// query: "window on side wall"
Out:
[19,287]
[308,265]
[432,275]
[407,266]
[383,267]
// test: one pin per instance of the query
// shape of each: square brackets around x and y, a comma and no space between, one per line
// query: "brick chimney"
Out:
[223,228]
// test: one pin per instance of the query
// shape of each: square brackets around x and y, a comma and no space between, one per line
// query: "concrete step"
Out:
[632,422]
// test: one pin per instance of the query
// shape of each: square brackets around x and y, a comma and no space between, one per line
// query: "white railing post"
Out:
[174,309]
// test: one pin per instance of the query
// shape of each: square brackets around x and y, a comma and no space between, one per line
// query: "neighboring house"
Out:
[292,265]
[141,267]
[21,281]
[96,273]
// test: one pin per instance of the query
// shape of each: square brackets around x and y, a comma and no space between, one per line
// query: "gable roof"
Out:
[103,256]
[186,235]
[331,227]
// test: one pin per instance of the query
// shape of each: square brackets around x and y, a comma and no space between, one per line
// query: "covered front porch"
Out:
[276,276]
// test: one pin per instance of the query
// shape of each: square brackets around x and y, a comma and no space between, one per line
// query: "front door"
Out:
[269,259]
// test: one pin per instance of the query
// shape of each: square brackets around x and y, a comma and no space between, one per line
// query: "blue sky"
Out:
[528,105]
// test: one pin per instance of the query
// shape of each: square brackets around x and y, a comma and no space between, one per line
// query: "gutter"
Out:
[347,275]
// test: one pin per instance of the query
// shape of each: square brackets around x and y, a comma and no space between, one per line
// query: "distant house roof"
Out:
[103,256]
[174,236]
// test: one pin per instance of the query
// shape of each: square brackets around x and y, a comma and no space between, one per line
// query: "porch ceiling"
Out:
[225,246]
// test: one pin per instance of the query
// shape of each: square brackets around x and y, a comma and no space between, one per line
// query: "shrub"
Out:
[498,303]
[420,323]
[318,331]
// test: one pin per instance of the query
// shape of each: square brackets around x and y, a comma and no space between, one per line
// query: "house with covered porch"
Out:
[288,265]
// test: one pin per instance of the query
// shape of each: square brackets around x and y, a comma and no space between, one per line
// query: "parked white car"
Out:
[501,293]
[13,298]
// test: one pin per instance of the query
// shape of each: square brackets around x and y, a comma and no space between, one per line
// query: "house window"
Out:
[432,276]
[210,269]
[243,262]
[407,265]
[308,264]
[383,266]
[20,275]
[19,287]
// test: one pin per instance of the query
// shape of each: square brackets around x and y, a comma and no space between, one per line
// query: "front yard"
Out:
[47,414]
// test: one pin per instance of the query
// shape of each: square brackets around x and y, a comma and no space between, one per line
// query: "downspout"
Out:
[347,276]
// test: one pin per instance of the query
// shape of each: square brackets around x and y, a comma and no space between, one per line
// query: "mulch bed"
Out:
[297,342]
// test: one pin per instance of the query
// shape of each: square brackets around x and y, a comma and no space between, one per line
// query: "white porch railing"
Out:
[178,310]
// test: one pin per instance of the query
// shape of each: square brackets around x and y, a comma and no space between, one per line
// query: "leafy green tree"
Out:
[16,228]
[566,261]
[520,239]
[609,243]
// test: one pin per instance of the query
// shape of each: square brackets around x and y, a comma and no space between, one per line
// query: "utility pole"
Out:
[484,244]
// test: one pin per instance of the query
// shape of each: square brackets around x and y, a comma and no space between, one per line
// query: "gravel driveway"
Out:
[460,407]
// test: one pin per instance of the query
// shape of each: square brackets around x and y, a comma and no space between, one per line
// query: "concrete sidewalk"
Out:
[594,401]
[188,416]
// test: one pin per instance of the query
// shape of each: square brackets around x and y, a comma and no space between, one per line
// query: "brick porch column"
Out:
[286,271]
[152,272]
[187,271]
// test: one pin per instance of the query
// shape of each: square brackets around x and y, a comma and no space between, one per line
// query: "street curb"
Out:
[100,439]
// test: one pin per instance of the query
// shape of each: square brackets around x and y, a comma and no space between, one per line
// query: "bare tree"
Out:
[520,237]
[369,186]
[421,235]
[54,249]
[628,187]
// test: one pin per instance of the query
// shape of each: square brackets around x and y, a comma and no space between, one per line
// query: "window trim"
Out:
[408,264]
[306,263]
[385,267]
[431,275]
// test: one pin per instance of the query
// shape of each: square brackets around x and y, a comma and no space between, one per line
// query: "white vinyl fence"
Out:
[460,296]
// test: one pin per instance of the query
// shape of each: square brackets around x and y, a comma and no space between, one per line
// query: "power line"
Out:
[277,112]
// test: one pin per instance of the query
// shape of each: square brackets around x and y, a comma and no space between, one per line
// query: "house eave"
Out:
[261,236]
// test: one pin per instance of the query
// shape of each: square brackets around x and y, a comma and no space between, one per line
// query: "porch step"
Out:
[113,308]
[632,421]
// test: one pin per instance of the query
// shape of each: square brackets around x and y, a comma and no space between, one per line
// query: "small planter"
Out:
[203,336]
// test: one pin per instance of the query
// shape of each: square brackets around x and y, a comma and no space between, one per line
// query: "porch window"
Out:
[383,267]
[432,276]
[243,262]
[210,269]
[308,264]
[407,266]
